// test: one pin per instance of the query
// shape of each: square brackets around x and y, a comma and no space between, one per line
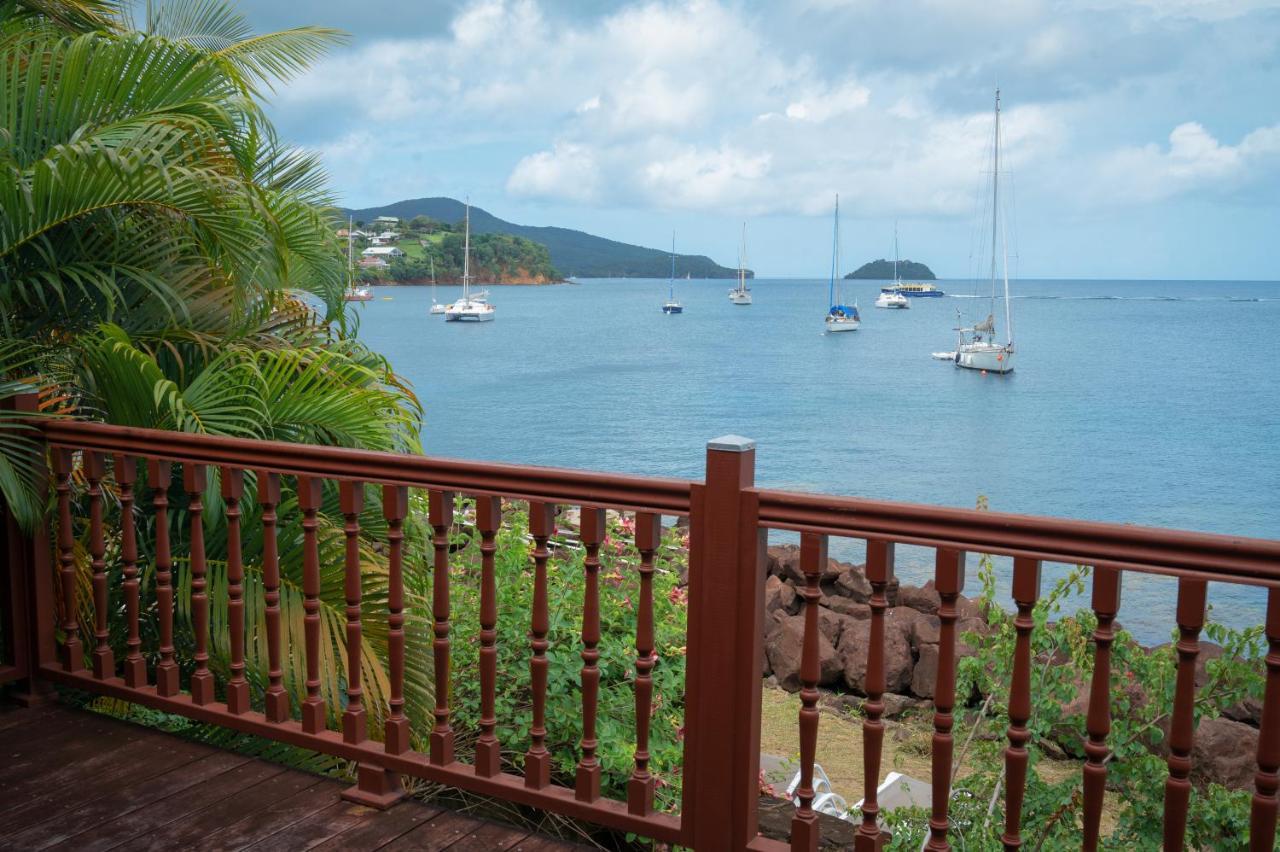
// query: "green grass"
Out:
[410,247]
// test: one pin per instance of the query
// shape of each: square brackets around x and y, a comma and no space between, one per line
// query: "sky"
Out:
[1141,138]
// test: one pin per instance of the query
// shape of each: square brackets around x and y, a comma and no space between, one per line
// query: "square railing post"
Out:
[28,585]
[726,616]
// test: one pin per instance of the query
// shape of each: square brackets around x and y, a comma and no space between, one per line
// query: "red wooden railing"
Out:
[729,521]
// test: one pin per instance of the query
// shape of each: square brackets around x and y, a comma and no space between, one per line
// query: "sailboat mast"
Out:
[742,261]
[835,255]
[995,202]
[351,272]
[671,282]
[895,251]
[466,253]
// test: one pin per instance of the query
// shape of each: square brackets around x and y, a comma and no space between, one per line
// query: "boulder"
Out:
[784,646]
[779,597]
[1248,711]
[925,673]
[833,624]
[970,608]
[855,646]
[896,706]
[1225,753]
[844,606]
[920,598]
[852,583]
[783,561]
[926,630]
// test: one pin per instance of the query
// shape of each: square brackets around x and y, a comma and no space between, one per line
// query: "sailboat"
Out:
[354,293]
[840,317]
[978,346]
[741,295]
[671,306]
[891,297]
[436,307]
[472,307]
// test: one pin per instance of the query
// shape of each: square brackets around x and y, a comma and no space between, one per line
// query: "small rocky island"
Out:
[882,270]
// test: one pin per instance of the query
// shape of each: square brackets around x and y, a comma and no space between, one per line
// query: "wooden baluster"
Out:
[1026,590]
[375,786]
[309,497]
[440,510]
[1177,788]
[355,721]
[537,760]
[488,749]
[158,477]
[276,699]
[237,686]
[949,580]
[1262,817]
[395,505]
[1106,603]
[193,482]
[72,648]
[805,829]
[641,784]
[592,527]
[880,556]
[135,667]
[104,661]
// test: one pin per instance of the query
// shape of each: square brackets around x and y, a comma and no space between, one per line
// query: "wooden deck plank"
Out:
[301,806]
[190,831]
[63,739]
[123,800]
[97,775]
[372,832]
[490,836]
[154,818]
[318,828]
[76,780]
[440,833]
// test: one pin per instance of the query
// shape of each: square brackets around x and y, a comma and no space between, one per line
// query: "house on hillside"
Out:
[382,252]
[373,263]
[384,222]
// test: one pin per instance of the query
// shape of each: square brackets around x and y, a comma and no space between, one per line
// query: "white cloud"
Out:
[1194,160]
[716,105]
[567,171]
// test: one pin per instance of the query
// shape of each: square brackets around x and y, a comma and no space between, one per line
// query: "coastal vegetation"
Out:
[883,270]
[573,253]
[432,246]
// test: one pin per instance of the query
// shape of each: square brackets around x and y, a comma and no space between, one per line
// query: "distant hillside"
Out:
[573,253]
[882,270]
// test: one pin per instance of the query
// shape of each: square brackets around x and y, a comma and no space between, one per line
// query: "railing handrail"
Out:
[664,495]
[1210,556]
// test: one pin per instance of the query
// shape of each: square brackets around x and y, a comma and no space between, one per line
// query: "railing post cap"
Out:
[731,444]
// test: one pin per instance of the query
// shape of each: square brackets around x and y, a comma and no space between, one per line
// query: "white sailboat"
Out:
[472,307]
[436,307]
[840,317]
[354,293]
[741,295]
[891,297]
[978,346]
[671,306]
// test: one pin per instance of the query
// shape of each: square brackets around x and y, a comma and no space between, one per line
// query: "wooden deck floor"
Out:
[70,779]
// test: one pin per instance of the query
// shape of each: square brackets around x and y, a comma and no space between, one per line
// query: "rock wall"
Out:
[844,619]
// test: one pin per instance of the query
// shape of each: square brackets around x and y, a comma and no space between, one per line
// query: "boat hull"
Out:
[437,309]
[991,359]
[673,309]
[739,298]
[838,325]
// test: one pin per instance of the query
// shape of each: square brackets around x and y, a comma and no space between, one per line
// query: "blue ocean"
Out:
[1151,402]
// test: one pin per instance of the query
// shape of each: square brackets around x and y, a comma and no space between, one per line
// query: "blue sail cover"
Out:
[844,310]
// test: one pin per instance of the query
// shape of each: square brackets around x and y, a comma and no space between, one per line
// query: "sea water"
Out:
[1148,402]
